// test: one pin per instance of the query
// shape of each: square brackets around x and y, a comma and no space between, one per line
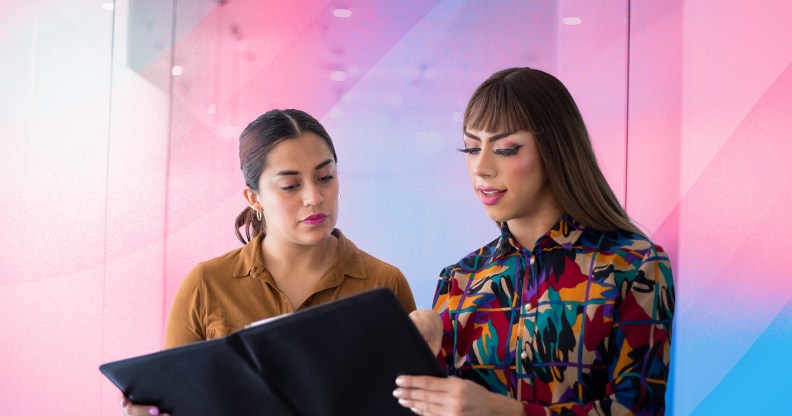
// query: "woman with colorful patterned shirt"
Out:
[569,311]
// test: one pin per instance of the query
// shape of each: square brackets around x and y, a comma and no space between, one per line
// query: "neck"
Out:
[526,230]
[281,255]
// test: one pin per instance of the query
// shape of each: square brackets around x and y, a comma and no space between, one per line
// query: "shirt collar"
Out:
[349,260]
[565,232]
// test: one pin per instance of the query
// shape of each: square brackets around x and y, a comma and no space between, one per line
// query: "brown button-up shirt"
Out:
[223,295]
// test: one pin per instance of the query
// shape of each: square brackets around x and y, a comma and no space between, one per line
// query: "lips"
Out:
[315,219]
[490,195]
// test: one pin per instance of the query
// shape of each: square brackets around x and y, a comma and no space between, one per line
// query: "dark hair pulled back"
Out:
[256,142]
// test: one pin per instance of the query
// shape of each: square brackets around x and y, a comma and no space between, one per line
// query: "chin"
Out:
[497,215]
[314,236]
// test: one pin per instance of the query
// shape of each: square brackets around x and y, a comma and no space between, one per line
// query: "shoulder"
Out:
[619,241]
[629,255]
[362,264]
[475,260]
[221,267]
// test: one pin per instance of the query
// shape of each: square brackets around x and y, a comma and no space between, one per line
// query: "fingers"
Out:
[426,382]
[130,409]
[426,396]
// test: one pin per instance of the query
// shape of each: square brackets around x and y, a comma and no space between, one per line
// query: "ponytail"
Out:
[248,220]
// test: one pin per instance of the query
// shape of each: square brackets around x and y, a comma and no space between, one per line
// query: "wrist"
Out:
[509,406]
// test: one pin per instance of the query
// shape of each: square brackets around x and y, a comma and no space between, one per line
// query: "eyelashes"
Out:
[470,150]
[322,179]
[500,152]
[507,152]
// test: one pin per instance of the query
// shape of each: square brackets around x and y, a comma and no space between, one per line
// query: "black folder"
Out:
[340,358]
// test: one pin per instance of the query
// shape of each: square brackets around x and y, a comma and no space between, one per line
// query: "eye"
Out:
[288,188]
[507,152]
[470,150]
[326,178]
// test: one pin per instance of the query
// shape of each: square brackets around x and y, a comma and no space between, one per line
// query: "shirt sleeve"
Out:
[185,321]
[403,292]
[641,340]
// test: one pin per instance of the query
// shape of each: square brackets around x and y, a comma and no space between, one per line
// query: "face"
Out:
[508,175]
[298,191]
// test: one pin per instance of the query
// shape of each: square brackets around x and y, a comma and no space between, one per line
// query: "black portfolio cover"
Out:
[340,358]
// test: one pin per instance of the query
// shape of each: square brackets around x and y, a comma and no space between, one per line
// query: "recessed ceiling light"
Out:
[107,6]
[342,12]
[572,21]
[177,70]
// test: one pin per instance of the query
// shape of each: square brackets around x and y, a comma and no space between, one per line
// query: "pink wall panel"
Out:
[709,98]
[734,286]
[734,51]
[592,63]
[654,125]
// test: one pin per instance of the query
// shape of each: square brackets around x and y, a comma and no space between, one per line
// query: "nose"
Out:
[312,196]
[482,165]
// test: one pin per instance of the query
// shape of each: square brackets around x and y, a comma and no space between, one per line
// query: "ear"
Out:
[252,198]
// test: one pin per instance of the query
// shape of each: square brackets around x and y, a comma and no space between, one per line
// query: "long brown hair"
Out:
[255,144]
[526,99]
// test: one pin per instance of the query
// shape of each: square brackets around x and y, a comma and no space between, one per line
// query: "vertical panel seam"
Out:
[107,195]
[166,206]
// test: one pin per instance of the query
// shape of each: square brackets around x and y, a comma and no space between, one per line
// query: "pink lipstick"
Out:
[489,195]
[315,219]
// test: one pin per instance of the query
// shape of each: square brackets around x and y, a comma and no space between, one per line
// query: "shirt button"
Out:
[527,307]
[524,355]
[532,260]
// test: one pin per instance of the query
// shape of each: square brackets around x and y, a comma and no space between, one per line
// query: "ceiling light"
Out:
[342,12]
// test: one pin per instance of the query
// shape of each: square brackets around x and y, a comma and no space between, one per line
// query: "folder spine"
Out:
[238,345]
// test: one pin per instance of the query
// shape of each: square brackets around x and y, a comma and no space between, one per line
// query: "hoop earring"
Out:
[339,196]
[259,215]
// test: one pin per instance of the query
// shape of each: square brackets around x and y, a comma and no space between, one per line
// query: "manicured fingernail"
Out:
[400,381]
[404,403]
[398,393]
[123,402]
[415,410]
[153,411]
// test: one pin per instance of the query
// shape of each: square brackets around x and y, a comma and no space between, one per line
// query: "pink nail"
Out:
[153,411]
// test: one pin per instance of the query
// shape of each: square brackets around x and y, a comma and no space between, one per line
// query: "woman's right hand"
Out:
[130,409]
[430,326]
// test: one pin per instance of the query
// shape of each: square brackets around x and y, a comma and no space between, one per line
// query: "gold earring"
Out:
[259,215]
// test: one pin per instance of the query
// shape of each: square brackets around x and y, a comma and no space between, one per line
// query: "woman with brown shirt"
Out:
[293,256]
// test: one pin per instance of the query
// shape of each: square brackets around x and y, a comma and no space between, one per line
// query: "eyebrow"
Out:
[492,138]
[296,172]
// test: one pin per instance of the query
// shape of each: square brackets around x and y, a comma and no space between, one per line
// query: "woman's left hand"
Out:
[430,396]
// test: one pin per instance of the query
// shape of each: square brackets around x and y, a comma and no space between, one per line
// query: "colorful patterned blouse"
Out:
[581,324]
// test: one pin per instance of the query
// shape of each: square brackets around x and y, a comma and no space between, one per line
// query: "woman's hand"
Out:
[430,326]
[130,409]
[435,396]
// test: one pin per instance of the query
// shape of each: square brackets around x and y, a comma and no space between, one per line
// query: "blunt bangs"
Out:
[495,108]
